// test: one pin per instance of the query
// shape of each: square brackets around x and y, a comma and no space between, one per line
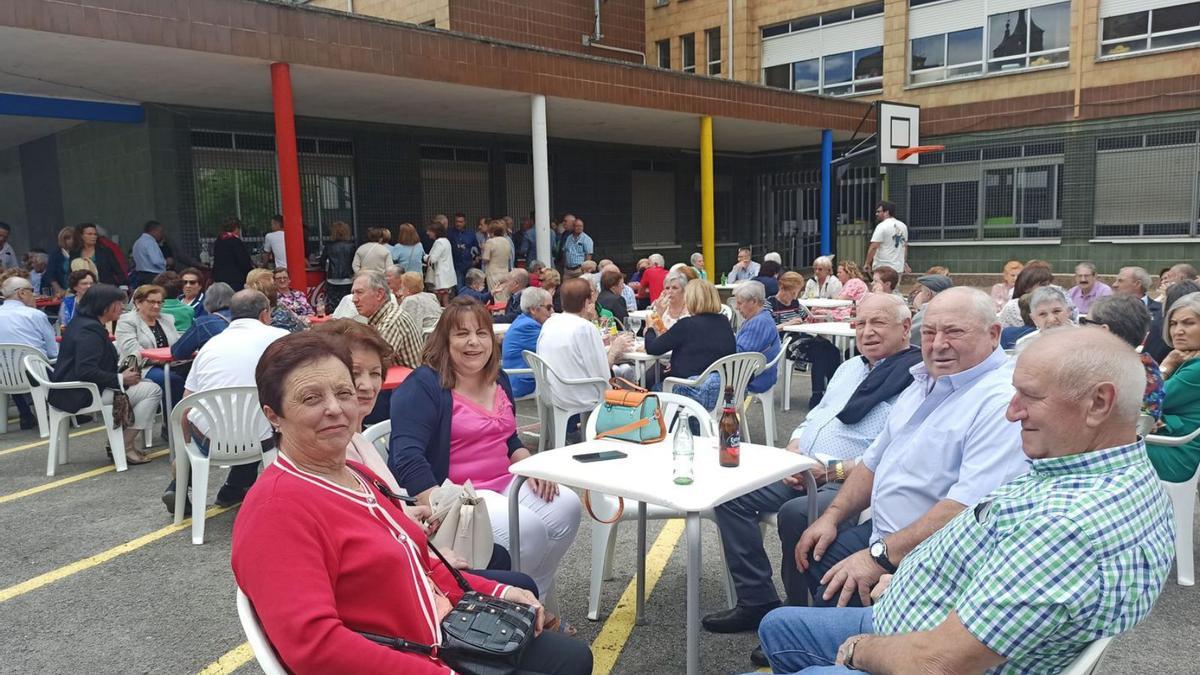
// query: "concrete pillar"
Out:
[707,226]
[289,173]
[541,180]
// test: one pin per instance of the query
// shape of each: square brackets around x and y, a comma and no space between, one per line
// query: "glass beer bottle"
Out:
[730,433]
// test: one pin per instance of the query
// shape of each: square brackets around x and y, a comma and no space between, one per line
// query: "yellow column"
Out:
[707,229]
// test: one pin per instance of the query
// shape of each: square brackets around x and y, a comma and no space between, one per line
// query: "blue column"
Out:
[826,189]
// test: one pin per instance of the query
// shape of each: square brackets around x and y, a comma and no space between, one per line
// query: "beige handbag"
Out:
[465,526]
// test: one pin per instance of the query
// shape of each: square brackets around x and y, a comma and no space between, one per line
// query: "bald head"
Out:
[1077,390]
[959,331]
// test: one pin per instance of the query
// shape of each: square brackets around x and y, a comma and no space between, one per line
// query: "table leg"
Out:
[810,487]
[639,368]
[167,410]
[641,565]
[693,592]
[514,522]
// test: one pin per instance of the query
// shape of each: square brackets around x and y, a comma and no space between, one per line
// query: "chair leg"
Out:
[39,408]
[604,539]
[3,413]
[58,433]
[1183,501]
[730,594]
[544,429]
[768,408]
[183,467]
[560,428]
[787,383]
[200,496]
[116,438]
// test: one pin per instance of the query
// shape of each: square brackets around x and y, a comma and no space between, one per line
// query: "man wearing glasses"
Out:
[536,306]
[23,324]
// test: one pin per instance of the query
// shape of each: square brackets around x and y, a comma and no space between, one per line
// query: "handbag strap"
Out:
[387,492]
[624,384]
[400,644]
[587,504]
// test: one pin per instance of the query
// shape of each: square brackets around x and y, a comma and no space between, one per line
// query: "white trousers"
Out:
[144,397]
[547,531]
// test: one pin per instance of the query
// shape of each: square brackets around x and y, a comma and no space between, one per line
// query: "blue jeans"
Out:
[806,639]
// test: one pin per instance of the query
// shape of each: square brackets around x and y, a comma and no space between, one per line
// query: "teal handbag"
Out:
[630,413]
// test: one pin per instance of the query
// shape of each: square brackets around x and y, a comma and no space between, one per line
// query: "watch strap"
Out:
[883,561]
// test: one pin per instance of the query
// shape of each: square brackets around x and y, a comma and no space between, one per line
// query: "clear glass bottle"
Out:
[683,451]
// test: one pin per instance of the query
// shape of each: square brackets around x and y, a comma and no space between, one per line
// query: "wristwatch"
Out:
[879,554]
[849,660]
[838,468]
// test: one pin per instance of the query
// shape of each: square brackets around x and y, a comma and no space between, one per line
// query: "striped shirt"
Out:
[783,313]
[1074,551]
[399,331]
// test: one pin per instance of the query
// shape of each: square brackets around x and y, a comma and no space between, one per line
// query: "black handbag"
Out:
[482,635]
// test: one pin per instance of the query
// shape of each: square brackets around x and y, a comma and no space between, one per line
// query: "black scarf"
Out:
[886,379]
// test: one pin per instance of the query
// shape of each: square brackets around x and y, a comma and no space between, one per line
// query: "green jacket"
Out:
[1181,416]
[183,314]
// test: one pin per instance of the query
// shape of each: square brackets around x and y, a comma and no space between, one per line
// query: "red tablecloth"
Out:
[396,375]
[44,302]
[161,355]
[497,307]
[314,320]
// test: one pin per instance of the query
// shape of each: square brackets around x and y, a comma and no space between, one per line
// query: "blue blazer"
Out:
[419,449]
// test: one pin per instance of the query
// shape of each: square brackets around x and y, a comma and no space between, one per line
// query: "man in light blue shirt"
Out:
[946,444]
[22,323]
[881,330]
[577,247]
[744,269]
[148,258]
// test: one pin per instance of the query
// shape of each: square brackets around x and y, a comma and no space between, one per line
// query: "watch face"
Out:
[877,549]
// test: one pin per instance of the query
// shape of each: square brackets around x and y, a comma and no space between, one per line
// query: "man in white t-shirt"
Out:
[889,243]
[275,243]
[230,360]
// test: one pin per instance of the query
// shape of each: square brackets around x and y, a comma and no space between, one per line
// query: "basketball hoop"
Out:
[905,153]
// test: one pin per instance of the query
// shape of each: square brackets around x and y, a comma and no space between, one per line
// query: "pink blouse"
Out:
[479,442]
[854,290]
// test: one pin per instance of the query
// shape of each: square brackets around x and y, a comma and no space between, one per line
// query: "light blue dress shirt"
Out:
[629,298]
[576,249]
[147,256]
[946,438]
[737,274]
[823,434]
[759,334]
[24,325]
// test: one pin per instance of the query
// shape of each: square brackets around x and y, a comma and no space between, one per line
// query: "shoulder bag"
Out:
[629,413]
[465,526]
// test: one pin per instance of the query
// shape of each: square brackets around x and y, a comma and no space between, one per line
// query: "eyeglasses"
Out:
[191,282]
[548,308]
[156,303]
[1084,321]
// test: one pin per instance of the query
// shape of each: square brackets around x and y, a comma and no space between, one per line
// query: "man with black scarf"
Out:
[838,430]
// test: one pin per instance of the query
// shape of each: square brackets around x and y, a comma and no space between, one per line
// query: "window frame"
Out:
[664,49]
[709,35]
[1147,38]
[683,52]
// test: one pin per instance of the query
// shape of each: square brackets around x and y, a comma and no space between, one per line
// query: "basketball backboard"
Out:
[898,128]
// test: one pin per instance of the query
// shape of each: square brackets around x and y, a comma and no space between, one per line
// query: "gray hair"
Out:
[375,279]
[657,259]
[475,274]
[1044,294]
[534,297]
[1190,301]
[248,304]
[394,270]
[982,305]
[695,257]
[12,285]
[898,306]
[677,279]
[1184,271]
[1090,267]
[39,257]
[1088,356]
[774,256]
[1140,275]
[823,261]
[1124,315]
[520,276]
[217,297]
[536,265]
[753,291]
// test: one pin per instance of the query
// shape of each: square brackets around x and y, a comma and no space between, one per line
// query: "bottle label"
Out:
[733,441]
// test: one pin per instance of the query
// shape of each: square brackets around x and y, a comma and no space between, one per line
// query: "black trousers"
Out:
[556,654]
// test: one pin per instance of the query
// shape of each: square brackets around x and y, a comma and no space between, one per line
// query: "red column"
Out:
[289,173]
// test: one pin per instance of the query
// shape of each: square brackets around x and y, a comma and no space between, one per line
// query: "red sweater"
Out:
[652,280]
[319,561]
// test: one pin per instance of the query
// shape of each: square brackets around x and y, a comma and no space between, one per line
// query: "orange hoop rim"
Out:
[905,153]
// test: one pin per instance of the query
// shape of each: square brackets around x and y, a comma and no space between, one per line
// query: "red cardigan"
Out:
[319,561]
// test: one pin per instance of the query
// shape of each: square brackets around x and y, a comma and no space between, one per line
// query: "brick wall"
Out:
[555,24]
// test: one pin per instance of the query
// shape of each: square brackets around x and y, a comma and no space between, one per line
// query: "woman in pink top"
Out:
[853,288]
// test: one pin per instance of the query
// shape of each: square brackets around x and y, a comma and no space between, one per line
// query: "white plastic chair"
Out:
[264,653]
[604,536]
[378,435]
[767,398]
[735,370]
[1088,659]
[58,419]
[234,420]
[13,380]
[521,371]
[1183,503]
[554,417]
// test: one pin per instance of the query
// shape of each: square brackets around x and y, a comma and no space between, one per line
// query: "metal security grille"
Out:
[453,180]
[235,174]
[789,212]
[1148,184]
[518,184]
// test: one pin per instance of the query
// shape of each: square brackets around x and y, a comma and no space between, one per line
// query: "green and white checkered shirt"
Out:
[1076,550]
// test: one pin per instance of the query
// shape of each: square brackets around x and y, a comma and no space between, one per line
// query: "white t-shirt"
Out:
[891,235]
[276,244]
[229,360]
[572,346]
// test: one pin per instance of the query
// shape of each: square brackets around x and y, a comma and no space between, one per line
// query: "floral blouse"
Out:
[296,302]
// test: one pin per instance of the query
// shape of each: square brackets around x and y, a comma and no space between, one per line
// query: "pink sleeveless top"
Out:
[479,442]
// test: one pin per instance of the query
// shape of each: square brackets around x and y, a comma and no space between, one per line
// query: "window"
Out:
[1016,40]
[1148,184]
[806,75]
[1150,30]
[827,19]
[664,53]
[778,76]
[844,74]
[687,52]
[713,38]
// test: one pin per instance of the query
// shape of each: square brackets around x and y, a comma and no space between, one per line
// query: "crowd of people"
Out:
[985,496]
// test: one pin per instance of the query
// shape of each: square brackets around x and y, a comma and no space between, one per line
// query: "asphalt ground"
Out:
[94,578]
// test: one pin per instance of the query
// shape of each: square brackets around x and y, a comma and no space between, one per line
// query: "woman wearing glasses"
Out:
[193,290]
[146,327]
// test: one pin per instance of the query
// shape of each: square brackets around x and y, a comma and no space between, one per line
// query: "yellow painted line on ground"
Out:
[100,558]
[232,660]
[68,480]
[29,446]
[607,646]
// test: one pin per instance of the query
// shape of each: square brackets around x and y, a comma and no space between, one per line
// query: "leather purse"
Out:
[465,526]
[630,413]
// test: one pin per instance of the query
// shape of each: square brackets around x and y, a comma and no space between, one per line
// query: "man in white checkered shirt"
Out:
[1074,551]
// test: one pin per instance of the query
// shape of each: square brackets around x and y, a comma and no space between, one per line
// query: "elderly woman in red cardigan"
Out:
[322,553]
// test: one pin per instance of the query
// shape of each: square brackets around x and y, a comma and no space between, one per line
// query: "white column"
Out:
[541,180]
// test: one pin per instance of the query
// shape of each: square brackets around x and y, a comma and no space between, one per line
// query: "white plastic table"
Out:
[638,318]
[645,477]
[500,329]
[841,331]
[825,303]
[641,360]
